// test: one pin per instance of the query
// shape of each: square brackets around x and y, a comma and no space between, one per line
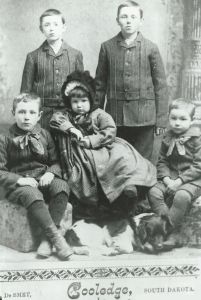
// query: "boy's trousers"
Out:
[26,195]
[141,138]
[175,206]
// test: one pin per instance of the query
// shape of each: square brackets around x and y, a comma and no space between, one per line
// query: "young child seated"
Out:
[30,173]
[91,155]
[179,166]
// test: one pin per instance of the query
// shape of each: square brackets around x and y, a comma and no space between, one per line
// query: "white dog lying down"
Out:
[145,232]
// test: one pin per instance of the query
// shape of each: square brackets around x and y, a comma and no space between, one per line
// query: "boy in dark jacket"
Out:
[130,72]
[179,165]
[30,173]
[46,68]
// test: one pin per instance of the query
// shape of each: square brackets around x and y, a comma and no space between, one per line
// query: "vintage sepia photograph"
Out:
[100,149]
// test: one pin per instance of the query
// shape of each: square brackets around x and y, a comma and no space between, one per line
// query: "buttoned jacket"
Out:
[44,72]
[16,162]
[186,166]
[133,78]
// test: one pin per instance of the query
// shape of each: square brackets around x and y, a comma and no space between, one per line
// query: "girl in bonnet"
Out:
[96,163]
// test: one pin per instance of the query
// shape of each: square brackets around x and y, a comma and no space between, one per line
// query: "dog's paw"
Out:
[110,252]
[81,251]
[147,247]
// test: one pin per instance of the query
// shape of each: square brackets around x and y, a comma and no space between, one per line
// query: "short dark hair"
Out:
[51,12]
[26,97]
[130,3]
[185,104]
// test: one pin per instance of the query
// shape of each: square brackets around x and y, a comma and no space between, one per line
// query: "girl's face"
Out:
[80,106]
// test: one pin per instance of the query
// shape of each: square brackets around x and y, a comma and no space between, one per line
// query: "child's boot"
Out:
[58,241]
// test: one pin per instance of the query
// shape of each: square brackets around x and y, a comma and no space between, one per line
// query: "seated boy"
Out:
[179,166]
[30,173]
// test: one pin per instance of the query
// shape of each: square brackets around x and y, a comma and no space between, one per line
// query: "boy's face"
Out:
[179,120]
[52,27]
[80,106]
[27,115]
[129,20]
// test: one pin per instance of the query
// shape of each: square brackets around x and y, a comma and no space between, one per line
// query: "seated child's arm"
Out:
[163,169]
[28,75]
[101,77]
[105,131]
[61,122]
[8,179]
[194,171]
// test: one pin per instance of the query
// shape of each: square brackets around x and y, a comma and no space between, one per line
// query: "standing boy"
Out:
[46,68]
[30,173]
[131,73]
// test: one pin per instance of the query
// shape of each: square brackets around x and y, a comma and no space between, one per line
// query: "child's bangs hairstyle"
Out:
[25,97]
[79,92]
[184,104]
[130,3]
[51,12]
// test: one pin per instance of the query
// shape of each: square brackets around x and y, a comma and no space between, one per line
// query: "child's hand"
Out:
[46,179]
[77,133]
[167,180]
[173,186]
[23,181]
[85,142]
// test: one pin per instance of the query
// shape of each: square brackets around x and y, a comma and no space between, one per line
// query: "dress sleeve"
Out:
[8,180]
[105,131]
[28,75]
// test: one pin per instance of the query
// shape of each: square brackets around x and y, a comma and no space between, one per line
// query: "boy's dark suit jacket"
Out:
[133,78]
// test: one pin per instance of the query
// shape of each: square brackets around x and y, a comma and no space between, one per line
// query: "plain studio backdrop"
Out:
[89,23]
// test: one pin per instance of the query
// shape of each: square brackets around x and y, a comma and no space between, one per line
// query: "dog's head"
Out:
[152,231]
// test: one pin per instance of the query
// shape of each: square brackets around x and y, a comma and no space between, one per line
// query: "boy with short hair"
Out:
[179,165]
[31,175]
[131,73]
[46,68]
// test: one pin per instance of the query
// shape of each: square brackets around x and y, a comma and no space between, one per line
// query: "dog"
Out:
[145,232]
